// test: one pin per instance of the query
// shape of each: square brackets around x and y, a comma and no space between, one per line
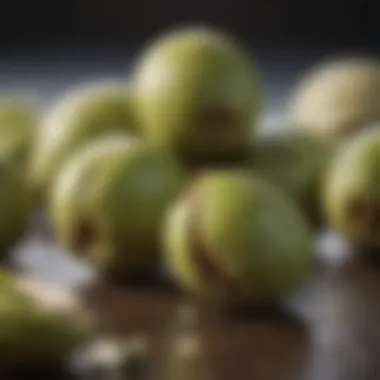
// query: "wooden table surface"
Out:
[330,330]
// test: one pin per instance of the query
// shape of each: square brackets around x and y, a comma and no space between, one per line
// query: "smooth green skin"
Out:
[256,233]
[81,116]
[5,279]
[31,336]
[19,120]
[354,173]
[15,205]
[187,73]
[121,194]
[296,162]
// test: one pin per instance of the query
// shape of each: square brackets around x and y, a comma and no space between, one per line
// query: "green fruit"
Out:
[34,336]
[81,116]
[197,94]
[18,125]
[351,195]
[5,279]
[107,205]
[338,98]
[235,239]
[296,162]
[15,206]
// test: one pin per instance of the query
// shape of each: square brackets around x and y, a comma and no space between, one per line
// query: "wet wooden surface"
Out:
[330,330]
[196,342]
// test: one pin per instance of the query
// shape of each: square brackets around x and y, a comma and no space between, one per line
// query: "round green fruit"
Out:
[19,121]
[197,93]
[296,162]
[236,240]
[107,204]
[15,205]
[32,335]
[351,195]
[338,98]
[5,279]
[82,115]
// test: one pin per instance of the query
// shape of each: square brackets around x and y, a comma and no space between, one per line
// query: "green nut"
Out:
[107,204]
[15,205]
[32,335]
[197,93]
[338,98]
[80,116]
[19,122]
[296,162]
[235,240]
[351,192]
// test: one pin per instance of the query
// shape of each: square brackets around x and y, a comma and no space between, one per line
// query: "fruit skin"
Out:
[15,205]
[338,98]
[234,239]
[351,197]
[106,205]
[296,162]
[5,279]
[82,114]
[24,322]
[19,121]
[197,93]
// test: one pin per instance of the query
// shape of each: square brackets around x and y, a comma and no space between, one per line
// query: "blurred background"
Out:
[48,45]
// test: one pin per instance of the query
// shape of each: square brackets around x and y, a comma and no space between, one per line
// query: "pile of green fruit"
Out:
[176,181]
[170,167]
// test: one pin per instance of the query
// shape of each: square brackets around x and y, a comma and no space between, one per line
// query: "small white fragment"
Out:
[105,352]
[331,248]
[187,316]
[137,346]
[188,347]
[49,297]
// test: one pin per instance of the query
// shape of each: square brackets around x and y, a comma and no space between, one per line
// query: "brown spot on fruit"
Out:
[373,219]
[353,124]
[215,120]
[356,208]
[85,236]
[365,212]
[204,258]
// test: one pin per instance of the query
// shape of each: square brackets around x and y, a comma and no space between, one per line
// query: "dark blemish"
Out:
[203,257]
[215,119]
[85,236]
[356,208]
[372,220]
[355,125]
[366,212]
